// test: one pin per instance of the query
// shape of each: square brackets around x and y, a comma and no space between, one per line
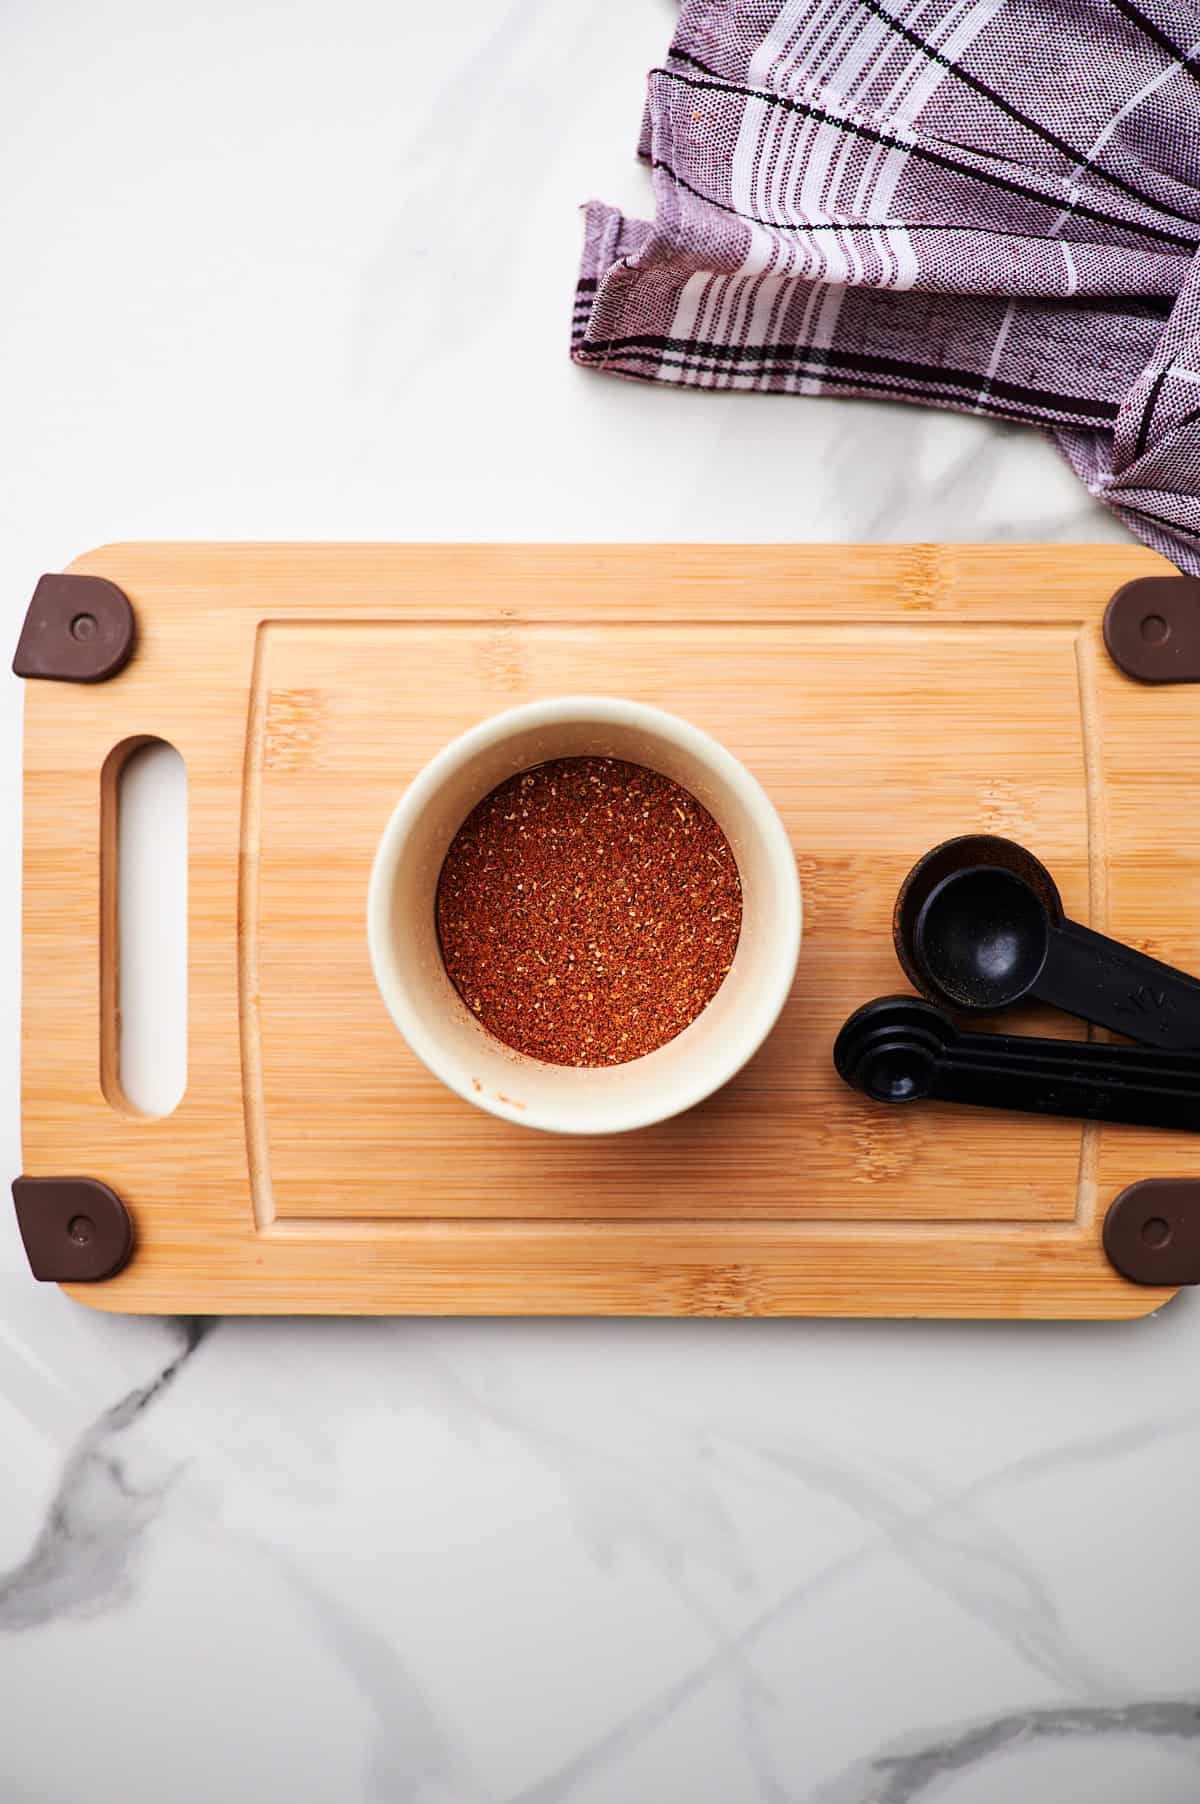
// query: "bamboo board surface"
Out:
[886,696]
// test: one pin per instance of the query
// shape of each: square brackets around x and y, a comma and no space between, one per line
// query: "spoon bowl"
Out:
[982,936]
[973,920]
[891,1049]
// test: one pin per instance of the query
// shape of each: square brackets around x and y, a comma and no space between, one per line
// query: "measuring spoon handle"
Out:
[1101,980]
[1074,1086]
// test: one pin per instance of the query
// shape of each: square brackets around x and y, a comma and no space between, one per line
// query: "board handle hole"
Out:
[144,927]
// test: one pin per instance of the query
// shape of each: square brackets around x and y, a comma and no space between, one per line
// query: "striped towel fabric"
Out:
[988,205]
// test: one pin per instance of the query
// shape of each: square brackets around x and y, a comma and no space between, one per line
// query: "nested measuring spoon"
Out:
[899,1049]
[980,925]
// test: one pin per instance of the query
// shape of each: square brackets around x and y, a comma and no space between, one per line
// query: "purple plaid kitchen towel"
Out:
[989,205]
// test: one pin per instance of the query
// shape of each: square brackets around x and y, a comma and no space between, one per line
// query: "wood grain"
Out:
[887,697]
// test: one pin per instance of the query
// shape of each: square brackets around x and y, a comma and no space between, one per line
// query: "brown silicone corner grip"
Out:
[1152,1231]
[1152,629]
[76,1230]
[78,629]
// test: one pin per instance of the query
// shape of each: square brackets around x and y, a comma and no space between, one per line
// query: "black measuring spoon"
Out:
[900,1049]
[979,925]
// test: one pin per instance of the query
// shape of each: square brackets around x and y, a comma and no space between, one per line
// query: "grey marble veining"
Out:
[410,1755]
[84,1559]
[902,1774]
[306,272]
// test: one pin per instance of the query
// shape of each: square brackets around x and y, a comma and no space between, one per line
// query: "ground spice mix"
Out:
[588,910]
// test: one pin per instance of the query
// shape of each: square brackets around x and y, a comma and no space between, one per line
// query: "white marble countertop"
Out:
[299,271]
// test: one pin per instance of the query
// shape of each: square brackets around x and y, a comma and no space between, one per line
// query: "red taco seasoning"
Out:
[588,910]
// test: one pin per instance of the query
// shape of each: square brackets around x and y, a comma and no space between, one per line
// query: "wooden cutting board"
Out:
[887,697]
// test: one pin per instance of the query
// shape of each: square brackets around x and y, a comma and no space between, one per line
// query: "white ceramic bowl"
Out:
[402,930]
